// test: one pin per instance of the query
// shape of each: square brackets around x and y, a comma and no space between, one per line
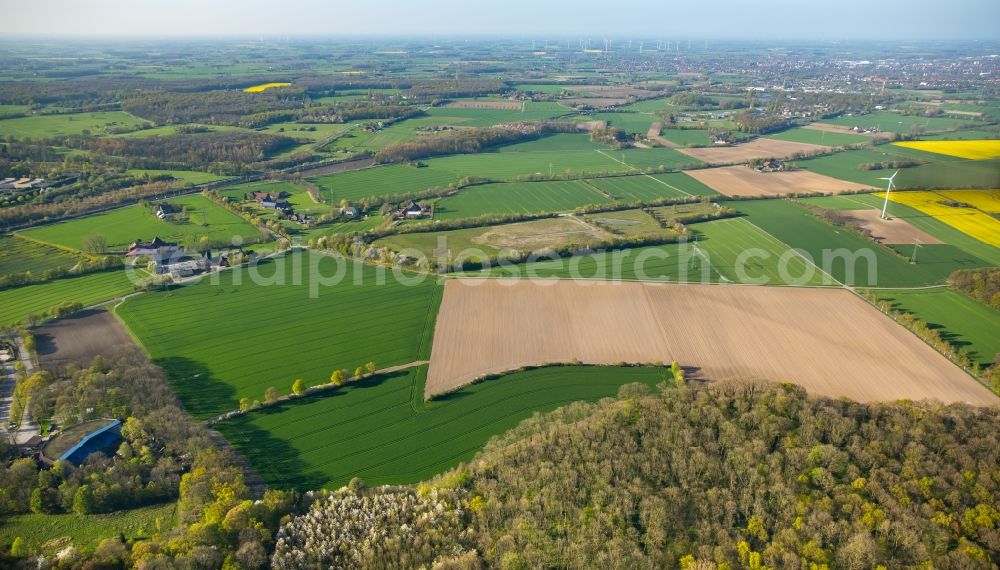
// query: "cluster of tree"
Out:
[693,99]
[230,152]
[164,455]
[615,138]
[759,123]
[725,476]
[81,267]
[932,335]
[438,89]
[211,107]
[468,141]
[27,213]
[891,164]
[264,226]
[981,284]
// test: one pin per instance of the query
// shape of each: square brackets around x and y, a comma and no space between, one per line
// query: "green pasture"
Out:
[97,123]
[380,429]
[15,304]
[236,334]
[18,255]
[517,197]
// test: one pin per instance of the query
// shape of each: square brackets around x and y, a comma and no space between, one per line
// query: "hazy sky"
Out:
[773,19]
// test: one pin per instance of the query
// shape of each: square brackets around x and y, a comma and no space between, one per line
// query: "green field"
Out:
[123,226]
[49,533]
[822,242]
[814,136]
[512,165]
[18,255]
[626,222]
[966,324]
[672,262]
[533,111]
[558,142]
[221,342]
[645,188]
[380,429]
[389,180]
[15,304]
[686,137]
[895,122]
[633,123]
[99,123]
[517,197]
[185,176]
[940,171]
[743,253]
[975,252]
[491,241]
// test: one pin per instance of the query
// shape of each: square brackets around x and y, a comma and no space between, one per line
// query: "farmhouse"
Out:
[349,211]
[411,210]
[163,211]
[158,250]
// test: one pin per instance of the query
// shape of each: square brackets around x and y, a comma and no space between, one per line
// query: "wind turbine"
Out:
[887,190]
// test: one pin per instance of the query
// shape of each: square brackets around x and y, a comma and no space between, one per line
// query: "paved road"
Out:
[28,427]
[7,383]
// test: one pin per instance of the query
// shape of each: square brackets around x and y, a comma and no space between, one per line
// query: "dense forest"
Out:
[470,140]
[724,476]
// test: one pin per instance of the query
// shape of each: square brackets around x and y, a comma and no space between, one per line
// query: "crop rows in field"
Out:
[15,304]
[647,188]
[743,253]
[222,342]
[868,264]
[387,180]
[533,111]
[18,255]
[948,209]
[380,430]
[966,324]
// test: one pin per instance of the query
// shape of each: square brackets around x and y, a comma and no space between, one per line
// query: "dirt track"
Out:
[757,148]
[895,230]
[78,339]
[827,340]
[745,181]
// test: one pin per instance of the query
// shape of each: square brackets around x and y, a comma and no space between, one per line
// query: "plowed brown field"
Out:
[827,340]
[745,181]
[757,148]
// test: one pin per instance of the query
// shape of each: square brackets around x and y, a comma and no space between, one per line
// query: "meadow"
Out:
[18,255]
[813,136]
[517,197]
[626,222]
[51,533]
[800,229]
[966,324]
[123,226]
[633,123]
[651,187]
[98,123]
[381,430]
[234,339]
[533,111]
[16,304]
[495,240]
[389,180]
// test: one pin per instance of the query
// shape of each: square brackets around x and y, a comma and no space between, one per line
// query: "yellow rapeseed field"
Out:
[265,87]
[974,221]
[975,150]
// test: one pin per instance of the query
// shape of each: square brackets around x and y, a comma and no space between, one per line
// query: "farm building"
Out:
[158,250]
[78,443]
[412,210]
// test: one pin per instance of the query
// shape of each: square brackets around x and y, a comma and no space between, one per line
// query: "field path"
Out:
[630,167]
